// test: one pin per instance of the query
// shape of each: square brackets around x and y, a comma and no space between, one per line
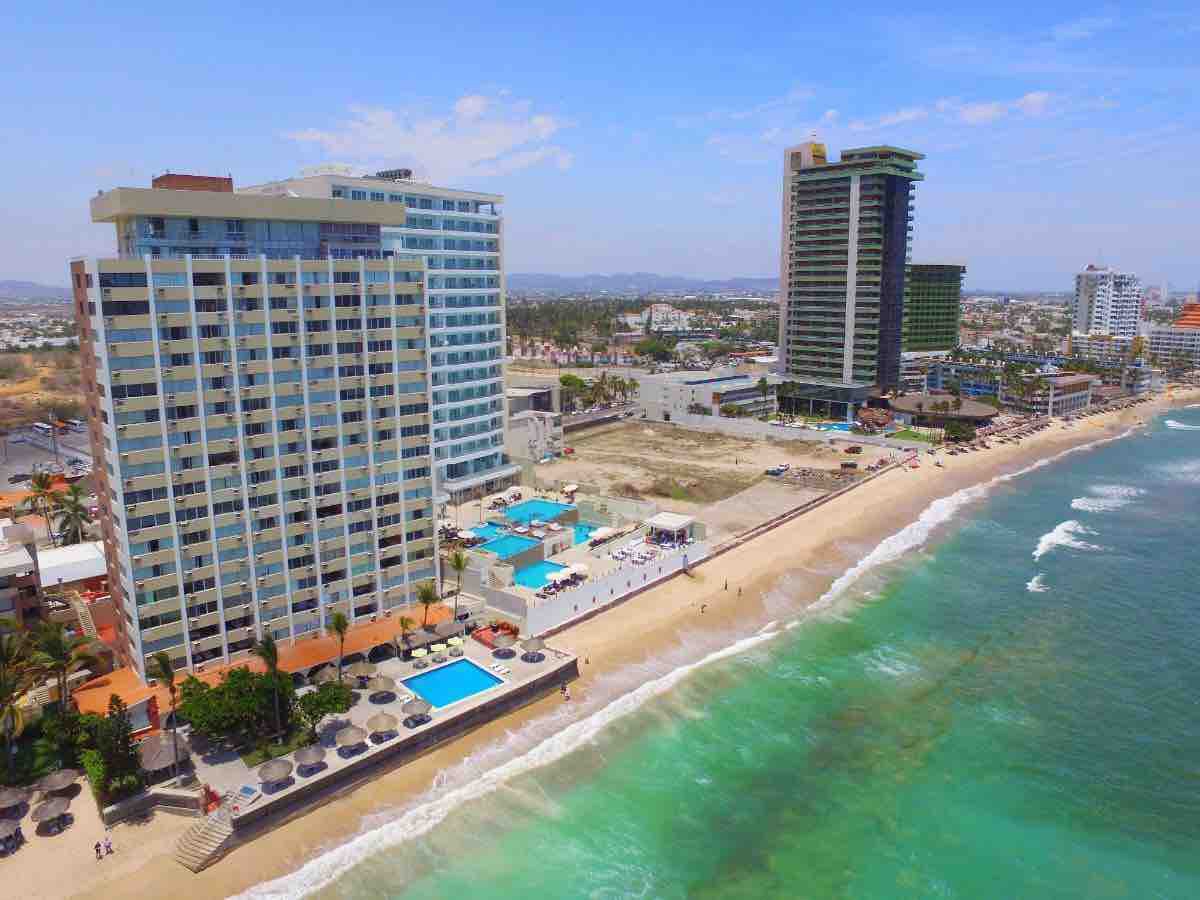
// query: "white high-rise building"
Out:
[1107,302]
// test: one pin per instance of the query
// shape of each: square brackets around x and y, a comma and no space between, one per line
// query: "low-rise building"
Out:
[715,393]
[534,435]
[973,379]
[1049,395]
[1178,344]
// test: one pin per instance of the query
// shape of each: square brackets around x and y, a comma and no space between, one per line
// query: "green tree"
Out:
[73,516]
[331,698]
[122,765]
[163,670]
[959,431]
[339,625]
[57,655]
[427,597]
[764,388]
[406,627]
[16,677]
[573,387]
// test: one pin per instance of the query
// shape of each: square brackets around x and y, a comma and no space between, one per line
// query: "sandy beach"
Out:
[714,604]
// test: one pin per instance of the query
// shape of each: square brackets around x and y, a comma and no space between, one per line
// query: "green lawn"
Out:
[299,737]
[909,435]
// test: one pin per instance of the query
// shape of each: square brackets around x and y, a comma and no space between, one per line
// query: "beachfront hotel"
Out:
[282,381]
[1106,302]
[844,251]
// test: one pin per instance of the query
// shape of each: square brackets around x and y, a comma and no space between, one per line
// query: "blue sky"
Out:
[631,136]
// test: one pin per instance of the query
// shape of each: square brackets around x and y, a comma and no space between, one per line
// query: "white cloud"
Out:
[1033,103]
[483,136]
[899,117]
[982,113]
[1083,28]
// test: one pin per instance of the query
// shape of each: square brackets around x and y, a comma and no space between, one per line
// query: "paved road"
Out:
[578,420]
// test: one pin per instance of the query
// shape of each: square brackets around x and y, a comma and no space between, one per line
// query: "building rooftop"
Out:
[1189,316]
[123,202]
[77,562]
[14,560]
[971,409]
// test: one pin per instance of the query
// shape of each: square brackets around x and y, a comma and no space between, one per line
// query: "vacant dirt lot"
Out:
[692,471]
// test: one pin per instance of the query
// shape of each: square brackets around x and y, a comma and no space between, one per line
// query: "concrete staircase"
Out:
[206,841]
[84,613]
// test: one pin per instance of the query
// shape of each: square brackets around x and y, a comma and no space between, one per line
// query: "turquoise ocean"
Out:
[1003,700]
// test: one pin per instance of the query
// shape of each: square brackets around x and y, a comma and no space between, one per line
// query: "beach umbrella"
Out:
[570,488]
[13,796]
[416,707]
[310,755]
[350,736]
[362,669]
[381,684]
[534,644]
[465,535]
[419,652]
[327,675]
[158,752]
[51,809]
[437,648]
[503,641]
[57,781]
[554,526]
[275,770]
[8,827]
[381,722]
[580,569]
[455,641]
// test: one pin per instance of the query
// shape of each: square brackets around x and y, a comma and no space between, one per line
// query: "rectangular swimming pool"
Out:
[583,531]
[489,531]
[528,510]
[451,683]
[509,545]
[535,576]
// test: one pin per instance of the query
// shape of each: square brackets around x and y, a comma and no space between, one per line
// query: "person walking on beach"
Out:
[99,855]
[108,846]
[703,607]
[726,584]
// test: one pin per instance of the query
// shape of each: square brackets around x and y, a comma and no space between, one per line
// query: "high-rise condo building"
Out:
[1106,302]
[279,391]
[844,250]
[932,307]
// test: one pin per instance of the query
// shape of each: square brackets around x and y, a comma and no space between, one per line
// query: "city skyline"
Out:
[1032,130]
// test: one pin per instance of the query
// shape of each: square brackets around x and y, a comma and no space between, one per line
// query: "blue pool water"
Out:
[509,545]
[836,426]
[535,576]
[583,531]
[488,531]
[449,684]
[528,510]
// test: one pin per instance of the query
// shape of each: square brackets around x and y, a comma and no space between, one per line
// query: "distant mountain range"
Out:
[635,283]
[31,290]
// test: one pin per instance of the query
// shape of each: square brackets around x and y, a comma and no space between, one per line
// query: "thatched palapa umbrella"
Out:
[361,669]
[8,827]
[381,684]
[13,796]
[51,809]
[274,771]
[533,650]
[158,752]
[416,707]
[325,676]
[58,781]
[310,755]
[350,736]
[381,723]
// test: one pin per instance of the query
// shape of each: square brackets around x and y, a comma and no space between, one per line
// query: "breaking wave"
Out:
[1035,585]
[1180,426]
[1065,534]
[1106,498]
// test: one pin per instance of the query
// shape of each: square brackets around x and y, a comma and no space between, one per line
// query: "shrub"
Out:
[93,765]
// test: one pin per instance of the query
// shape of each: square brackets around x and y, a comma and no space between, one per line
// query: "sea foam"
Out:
[1035,585]
[423,817]
[1064,534]
[1106,498]
[1180,426]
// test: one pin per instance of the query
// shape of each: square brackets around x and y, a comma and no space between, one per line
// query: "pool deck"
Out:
[526,683]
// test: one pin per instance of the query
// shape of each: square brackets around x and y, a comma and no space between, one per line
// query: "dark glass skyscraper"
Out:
[932,307]
[844,251]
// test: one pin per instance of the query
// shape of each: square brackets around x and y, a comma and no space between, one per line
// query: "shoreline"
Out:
[673,624]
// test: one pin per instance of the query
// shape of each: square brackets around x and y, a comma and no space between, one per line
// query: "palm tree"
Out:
[42,499]
[16,677]
[426,596]
[163,670]
[266,650]
[339,625]
[406,626]
[73,516]
[458,562]
[57,655]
